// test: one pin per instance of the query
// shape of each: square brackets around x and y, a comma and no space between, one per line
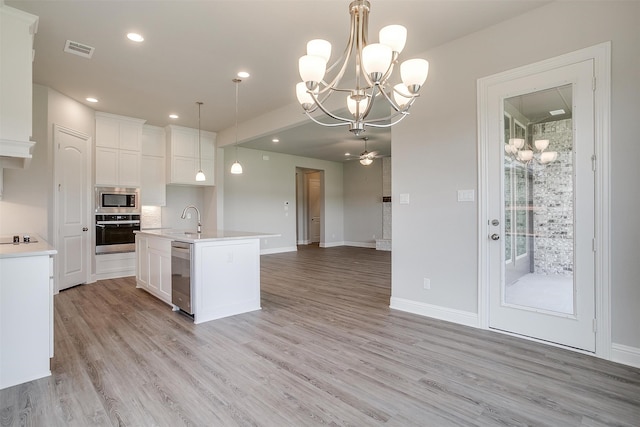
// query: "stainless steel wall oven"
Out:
[115,233]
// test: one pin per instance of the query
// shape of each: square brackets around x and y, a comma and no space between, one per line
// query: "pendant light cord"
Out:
[237,82]
[199,143]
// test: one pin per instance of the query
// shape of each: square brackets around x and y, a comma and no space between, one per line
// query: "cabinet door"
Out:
[208,145]
[107,133]
[153,190]
[129,168]
[130,136]
[165,277]
[184,142]
[106,166]
[184,170]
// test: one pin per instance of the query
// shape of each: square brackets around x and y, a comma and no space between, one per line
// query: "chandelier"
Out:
[374,64]
[519,151]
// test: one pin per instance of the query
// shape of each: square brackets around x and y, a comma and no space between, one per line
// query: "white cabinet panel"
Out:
[123,136]
[17,29]
[182,155]
[152,181]
[129,168]
[25,319]
[154,266]
[153,191]
[106,166]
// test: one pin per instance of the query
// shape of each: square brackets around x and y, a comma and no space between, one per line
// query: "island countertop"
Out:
[191,236]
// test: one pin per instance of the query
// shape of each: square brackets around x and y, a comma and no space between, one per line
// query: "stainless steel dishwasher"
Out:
[181,289]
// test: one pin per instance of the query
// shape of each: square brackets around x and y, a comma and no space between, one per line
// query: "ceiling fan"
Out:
[366,157]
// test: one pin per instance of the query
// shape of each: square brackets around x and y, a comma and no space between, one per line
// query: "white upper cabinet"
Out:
[153,190]
[183,160]
[17,29]
[118,150]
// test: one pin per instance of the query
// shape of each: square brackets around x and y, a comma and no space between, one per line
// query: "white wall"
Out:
[435,154]
[254,201]
[362,203]
[27,205]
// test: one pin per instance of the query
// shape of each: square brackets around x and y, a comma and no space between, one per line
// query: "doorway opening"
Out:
[309,206]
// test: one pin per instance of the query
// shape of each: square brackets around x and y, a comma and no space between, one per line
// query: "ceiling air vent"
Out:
[79,49]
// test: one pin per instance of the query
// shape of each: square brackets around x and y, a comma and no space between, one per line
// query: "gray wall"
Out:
[435,154]
[254,201]
[362,203]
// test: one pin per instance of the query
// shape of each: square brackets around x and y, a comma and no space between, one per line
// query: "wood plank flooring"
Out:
[324,350]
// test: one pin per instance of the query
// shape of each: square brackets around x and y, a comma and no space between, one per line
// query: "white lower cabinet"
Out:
[154,266]
[26,328]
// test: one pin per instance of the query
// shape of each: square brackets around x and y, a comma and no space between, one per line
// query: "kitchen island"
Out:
[224,269]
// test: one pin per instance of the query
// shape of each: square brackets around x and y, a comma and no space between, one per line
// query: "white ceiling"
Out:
[193,49]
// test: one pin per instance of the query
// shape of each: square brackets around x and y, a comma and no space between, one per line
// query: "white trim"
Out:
[625,355]
[278,250]
[361,244]
[437,312]
[331,244]
[601,55]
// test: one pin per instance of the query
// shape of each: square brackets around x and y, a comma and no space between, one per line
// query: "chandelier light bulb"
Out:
[414,73]
[401,95]
[312,69]
[376,59]
[541,144]
[548,157]
[319,47]
[517,143]
[304,97]
[357,108]
[394,36]
[525,155]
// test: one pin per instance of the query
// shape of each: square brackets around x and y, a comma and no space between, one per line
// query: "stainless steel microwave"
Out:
[117,200]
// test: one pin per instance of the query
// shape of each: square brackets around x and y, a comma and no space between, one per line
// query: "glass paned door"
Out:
[540,205]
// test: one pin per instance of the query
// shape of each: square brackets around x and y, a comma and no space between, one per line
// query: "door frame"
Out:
[601,55]
[56,200]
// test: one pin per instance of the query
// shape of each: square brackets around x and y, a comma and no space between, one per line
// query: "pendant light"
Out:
[200,175]
[236,167]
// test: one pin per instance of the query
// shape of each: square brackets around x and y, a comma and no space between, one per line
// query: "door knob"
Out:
[495,236]
[85,229]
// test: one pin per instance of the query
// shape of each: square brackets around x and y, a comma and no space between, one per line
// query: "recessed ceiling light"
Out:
[243,74]
[275,140]
[347,154]
[556,112]
[135,37]
[173,116]
[91,99]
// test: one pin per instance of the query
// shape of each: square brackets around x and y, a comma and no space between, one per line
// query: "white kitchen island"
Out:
[225,269]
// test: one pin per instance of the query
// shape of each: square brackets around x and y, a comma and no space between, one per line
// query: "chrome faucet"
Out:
[184,215]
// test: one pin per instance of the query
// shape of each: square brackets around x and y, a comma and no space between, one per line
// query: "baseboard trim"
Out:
[625,354]
[278,250]
[361,244]
[331,244]
[437,312]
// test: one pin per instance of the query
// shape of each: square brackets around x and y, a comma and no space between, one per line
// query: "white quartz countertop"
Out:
[37,246]
[191,236]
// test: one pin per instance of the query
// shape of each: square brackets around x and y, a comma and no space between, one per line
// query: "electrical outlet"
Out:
[188,215]
[427,283]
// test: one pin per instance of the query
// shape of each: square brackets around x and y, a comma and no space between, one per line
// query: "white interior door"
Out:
[314,207]
[541,215]
[72,194]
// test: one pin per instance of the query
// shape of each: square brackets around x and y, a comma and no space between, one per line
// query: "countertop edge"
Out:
[218,235]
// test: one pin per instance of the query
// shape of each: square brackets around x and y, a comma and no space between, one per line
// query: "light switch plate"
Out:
[404,198]
[466,195]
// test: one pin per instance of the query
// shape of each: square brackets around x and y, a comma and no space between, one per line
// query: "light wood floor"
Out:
[324,350]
